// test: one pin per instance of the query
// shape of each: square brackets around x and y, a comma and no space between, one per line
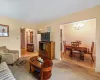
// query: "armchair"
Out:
[9,56]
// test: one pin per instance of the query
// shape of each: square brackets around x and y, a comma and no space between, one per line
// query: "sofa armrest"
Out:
[10,58]
[13,51]
[5,53]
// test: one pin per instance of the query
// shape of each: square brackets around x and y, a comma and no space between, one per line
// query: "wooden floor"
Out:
[25,53]
[86,62]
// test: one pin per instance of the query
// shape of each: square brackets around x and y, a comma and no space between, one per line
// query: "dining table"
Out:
[82,49]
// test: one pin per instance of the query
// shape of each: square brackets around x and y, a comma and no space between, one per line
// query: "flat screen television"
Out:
[45,36]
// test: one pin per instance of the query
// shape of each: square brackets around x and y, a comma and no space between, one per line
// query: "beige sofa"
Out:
[9,56]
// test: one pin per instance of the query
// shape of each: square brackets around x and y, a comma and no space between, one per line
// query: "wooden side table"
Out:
[30,47]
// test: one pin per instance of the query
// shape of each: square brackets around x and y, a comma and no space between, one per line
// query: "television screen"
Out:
[45,36]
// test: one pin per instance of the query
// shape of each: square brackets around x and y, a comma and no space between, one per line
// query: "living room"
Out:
[19,20]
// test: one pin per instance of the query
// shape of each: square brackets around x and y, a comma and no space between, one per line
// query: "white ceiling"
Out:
[42,10]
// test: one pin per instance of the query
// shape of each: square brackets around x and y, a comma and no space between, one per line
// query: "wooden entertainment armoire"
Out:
[49,47]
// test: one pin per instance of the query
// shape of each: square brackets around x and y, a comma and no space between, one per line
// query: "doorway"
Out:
[28,42]
[83,31]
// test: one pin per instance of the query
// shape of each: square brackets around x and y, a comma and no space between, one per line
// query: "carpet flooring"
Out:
[62,70]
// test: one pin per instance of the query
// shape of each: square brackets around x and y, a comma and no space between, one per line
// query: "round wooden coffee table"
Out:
[34,63]
[42,70]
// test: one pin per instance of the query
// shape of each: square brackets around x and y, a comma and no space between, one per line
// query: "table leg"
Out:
[30,68]
[82,56]
[71,55]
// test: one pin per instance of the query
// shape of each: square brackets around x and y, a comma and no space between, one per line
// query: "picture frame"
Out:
[31,37]
[38,31]
[4,30]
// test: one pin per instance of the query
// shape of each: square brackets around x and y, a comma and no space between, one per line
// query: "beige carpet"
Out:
[69,71]
[22,72]
[61,71]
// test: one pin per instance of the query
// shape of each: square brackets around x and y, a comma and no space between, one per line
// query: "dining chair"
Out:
[64,45]
[75,46]
[90,52]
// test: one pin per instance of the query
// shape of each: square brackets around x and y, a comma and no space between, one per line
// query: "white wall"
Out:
[38,39]
[87,34]
[63,36]
[35,41]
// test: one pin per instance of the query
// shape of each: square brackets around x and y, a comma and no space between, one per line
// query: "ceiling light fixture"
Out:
[78,26]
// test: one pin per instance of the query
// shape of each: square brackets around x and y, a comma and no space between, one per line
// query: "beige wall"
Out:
[13,41]
[82,15]
[86,34]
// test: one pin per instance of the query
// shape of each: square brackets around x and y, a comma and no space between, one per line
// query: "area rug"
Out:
[21,70]
[21,61]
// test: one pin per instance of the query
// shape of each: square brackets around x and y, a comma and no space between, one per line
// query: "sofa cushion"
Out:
[6,74]
[3,49]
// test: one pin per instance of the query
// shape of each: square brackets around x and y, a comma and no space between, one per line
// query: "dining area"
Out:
[78,42]
[79,53]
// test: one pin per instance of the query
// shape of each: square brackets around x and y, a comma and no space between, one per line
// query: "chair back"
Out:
[92,47]
[64,42]
[74,44]
[64,45]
